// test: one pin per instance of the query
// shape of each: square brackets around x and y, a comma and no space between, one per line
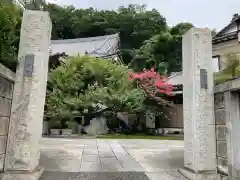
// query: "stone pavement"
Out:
[98,159]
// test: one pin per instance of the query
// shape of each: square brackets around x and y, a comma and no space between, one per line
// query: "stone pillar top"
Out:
[33,27]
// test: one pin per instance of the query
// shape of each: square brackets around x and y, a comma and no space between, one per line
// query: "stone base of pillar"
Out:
[22,175]
[191,175]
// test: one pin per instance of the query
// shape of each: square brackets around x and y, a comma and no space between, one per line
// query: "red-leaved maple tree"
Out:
[153,84]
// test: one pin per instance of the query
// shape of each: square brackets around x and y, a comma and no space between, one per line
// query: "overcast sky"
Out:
[202,13]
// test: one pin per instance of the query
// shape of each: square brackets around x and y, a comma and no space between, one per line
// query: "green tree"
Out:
[181,28]
[162,51]
[86,83]
[10,20]
[232,63]
[146,40]
[32,4]
[231,70]
[135,23]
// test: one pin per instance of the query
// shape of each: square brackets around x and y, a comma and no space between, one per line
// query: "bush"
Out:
[91,83]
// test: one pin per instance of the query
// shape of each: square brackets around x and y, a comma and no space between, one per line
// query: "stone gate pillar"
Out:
[198,105]
[25,129]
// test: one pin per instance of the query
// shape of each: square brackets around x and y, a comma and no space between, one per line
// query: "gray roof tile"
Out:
[96,46]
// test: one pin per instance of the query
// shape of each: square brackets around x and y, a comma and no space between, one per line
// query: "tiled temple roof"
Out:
[100,46]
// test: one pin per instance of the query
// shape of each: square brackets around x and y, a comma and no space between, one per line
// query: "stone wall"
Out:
[6,89]
[221,133]
[227,115]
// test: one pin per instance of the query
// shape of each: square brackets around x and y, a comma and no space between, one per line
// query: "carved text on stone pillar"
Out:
[28,65]
[203,78]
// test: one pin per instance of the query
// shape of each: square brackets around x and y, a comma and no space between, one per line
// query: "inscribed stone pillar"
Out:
[25,131]
[198,106]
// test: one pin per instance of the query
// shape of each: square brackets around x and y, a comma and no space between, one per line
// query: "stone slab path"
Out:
[98,159]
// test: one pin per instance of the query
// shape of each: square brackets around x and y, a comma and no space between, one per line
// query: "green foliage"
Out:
[232,63]
[32,4]
[164,51]
[135,23]
[85,82]
[181,28]
[146,40]
[9,34]
[231,70]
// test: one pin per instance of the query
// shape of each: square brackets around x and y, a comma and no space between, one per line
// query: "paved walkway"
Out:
[93,159]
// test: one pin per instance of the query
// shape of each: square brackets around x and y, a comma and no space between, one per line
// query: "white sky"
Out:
[202,13]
